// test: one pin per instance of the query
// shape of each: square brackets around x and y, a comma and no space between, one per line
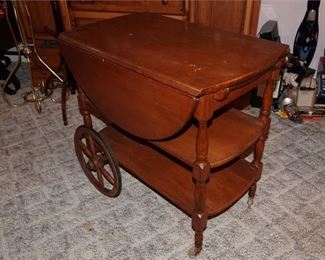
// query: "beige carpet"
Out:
[49,210]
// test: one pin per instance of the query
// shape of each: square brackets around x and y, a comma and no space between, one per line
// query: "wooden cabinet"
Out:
[235,16]
[83,12]
[78,13]
[41,15]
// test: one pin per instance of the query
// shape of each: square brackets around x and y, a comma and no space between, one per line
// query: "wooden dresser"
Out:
[77,13]
[234,16]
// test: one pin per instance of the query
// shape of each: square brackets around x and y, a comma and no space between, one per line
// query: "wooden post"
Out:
[201,171]
[64,11]
[264,116]
[200,174]
[83,108]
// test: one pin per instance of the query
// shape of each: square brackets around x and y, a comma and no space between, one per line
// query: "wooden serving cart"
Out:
[163,87]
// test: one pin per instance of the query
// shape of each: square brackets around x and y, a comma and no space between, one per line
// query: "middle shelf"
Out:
[230,134]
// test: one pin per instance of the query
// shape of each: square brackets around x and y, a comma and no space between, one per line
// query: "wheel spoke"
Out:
[85,149]
[90,165]
[97,147]
[100,177]
[108,176]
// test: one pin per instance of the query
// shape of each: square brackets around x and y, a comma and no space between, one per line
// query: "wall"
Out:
[289,14]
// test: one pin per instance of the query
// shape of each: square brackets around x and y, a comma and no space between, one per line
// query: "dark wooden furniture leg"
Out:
[68,87]
[200,177]
[264,116]
[84,111]
[201,171]
[64,103]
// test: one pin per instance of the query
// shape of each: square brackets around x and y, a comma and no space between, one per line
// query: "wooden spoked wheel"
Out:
[97,161]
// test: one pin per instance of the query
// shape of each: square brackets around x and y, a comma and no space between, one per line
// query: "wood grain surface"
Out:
[193,59]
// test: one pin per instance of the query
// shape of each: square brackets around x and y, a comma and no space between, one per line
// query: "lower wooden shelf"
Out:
[173,181]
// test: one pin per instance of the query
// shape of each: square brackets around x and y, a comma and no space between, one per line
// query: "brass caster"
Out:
[250,202]
[194,251]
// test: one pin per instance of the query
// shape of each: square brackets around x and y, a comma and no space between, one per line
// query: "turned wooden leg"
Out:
[201,171]
[200,215]
[194,251]
[259,147]
[257,162]
[84,109]
[68,87]
[251,195]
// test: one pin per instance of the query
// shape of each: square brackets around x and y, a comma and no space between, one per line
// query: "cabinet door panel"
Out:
[229,15]
[41,17]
